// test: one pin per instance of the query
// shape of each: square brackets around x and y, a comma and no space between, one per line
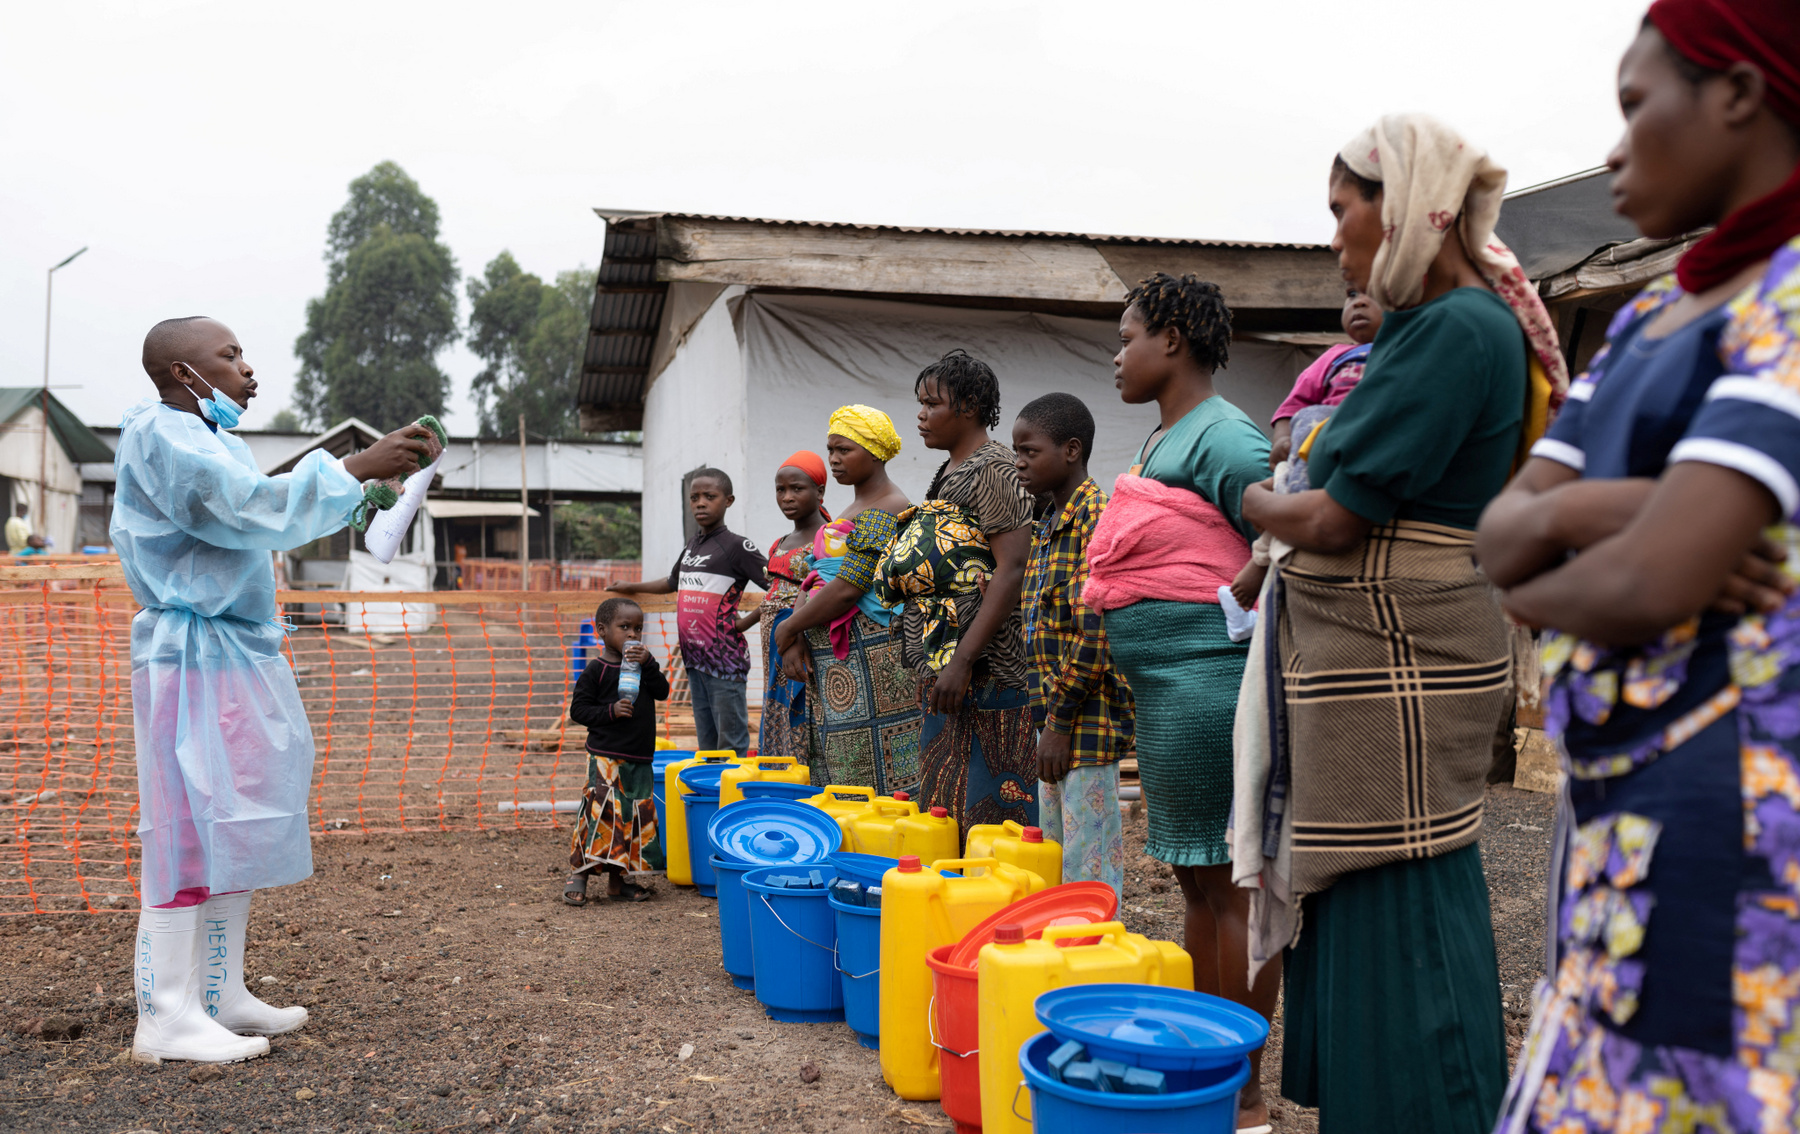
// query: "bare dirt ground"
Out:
[451,990]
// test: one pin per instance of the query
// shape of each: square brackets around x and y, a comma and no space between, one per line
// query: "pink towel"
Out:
[1158,542]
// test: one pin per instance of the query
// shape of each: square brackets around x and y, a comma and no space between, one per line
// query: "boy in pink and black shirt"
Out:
[708,579]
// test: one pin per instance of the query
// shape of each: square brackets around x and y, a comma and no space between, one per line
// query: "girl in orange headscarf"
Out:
[800,492]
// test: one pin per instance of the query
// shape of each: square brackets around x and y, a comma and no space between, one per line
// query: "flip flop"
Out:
[632,892]
[575,890]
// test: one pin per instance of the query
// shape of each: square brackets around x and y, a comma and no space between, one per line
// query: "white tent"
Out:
[759,373]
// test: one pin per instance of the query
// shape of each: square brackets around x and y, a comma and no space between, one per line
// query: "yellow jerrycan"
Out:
[1018,845]
[784,769]
[664,744]
[920,910]
[931,835]
[675,840]
[1013,972]
[872,828]
[980,842]
[843,802]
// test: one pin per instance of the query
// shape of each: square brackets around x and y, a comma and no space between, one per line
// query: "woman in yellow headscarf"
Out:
[862,698]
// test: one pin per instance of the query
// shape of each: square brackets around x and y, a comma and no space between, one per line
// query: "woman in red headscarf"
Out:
[800,493]
[1653,533]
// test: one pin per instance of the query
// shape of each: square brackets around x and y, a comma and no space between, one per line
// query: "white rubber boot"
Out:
[172,1024]
[224,921]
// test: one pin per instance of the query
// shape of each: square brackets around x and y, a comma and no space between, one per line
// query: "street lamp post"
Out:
[42,518]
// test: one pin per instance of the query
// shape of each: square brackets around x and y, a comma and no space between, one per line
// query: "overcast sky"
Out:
[200,148]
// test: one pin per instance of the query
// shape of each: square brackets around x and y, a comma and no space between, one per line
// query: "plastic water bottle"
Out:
[629,675]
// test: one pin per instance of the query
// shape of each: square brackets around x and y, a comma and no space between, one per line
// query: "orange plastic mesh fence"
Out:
[503,574]
[430,712]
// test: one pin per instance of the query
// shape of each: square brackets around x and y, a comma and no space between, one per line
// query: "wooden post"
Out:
[524,516]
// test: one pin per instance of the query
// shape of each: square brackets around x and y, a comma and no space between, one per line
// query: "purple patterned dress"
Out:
[1676,976]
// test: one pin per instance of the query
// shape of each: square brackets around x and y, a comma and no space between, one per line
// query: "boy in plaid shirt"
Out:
[1080,704]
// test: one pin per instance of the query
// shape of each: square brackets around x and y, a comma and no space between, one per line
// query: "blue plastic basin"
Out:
[1199,1102]
[793,946]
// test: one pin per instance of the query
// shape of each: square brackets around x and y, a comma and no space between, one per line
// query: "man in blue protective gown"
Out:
[224,751]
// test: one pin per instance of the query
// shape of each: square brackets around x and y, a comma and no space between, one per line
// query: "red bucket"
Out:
[955,1022]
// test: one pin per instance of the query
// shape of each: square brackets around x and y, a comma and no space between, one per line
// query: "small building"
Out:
[47,478]
[729,340]
[474,503]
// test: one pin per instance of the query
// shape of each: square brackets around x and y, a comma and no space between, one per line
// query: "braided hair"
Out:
[968,382]
[1192,306]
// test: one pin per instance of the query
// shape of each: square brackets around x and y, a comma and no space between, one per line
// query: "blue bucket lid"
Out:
[1173,1024]
[663,757]
[704,778]
[773,832]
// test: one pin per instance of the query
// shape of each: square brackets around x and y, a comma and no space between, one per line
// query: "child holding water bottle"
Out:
[615,830]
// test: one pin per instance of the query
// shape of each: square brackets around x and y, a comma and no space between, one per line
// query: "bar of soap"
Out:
[1112,1071]
[1143,1081]
[1068,1053]
[1086,1076]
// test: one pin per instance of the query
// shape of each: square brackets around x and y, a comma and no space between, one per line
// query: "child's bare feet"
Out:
[1253,1111]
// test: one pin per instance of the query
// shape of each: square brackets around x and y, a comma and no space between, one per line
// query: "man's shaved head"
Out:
[175,340]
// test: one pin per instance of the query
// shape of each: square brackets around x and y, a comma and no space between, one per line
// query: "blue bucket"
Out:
[866,869]
[776,789]
[701,809]
[859,967]
[793,945]
[1161,1029]
[734,919]
[659,764]
[1203,1101]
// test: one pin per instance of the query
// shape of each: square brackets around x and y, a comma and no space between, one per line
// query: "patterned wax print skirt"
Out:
[864,711]
[980,763]
[616,825]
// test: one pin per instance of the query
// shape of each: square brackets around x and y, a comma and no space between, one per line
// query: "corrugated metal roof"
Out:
[628,299]
[611,215]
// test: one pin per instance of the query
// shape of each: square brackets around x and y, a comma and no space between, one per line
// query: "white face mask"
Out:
[222,412]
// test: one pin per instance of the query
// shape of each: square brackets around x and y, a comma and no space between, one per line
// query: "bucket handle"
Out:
[1015,1103]
[832,949]
[840,968]
[931,1030]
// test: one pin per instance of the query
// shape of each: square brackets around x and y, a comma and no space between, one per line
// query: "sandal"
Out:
[575,890]
[632,892]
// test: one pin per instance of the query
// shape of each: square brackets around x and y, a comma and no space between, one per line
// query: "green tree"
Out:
[284,421]
[371,342]
[531,335]
[600,530]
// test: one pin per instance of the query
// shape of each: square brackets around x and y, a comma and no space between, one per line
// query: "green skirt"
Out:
[1184,671]
[1393,1018]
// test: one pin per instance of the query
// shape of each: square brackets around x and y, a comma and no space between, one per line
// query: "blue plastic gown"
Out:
[224,751]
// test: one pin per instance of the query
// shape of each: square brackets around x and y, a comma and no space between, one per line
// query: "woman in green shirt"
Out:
[1183,668]
[1396,665]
